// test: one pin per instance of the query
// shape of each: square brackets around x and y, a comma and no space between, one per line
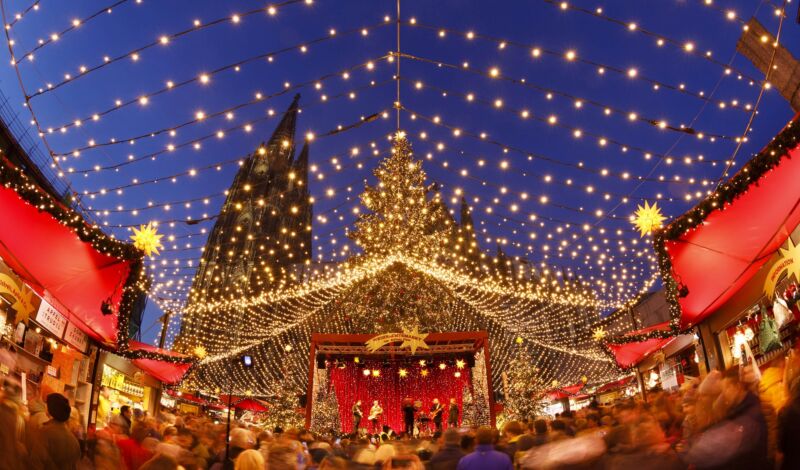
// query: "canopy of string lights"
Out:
[496,166]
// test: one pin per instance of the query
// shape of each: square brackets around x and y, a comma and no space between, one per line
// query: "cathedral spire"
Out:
[280,148]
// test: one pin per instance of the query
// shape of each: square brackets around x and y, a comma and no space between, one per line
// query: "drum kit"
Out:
[423,424]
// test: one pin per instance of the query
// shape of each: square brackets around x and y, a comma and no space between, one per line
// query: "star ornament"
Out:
[599,334]
[200,352]
[413,339]
[147,239]
[648,218]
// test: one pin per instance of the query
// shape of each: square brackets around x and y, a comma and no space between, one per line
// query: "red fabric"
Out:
[163,371]
[735,242]
[564,392]
[390,389]
[614,385]
[249,404]
[49,256]
[630,354]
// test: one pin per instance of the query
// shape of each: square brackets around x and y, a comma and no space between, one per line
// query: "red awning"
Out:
[614,385]
[564,392]
[50,257]
[629,354]
[247,404]
[166,371]
[187,397]
[715,259]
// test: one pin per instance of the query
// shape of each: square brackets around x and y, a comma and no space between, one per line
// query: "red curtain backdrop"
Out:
[390,389]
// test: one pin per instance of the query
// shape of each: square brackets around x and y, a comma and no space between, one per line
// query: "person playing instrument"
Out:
[375,416]
[452,414]
[408,416]
[357,415]
[436,414]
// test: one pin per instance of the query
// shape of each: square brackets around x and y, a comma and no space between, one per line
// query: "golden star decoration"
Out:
[411,339]
[648,218]
[200,352]
[403,373]
[424,372]
[599,334]
[147,239]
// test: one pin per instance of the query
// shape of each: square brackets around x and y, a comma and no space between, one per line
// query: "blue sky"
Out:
[525,166]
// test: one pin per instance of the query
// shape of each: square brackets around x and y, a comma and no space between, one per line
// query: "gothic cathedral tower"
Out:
[264,227]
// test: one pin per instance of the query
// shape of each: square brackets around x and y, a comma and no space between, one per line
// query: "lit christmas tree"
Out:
[325,413]
[405,216]
[524,387]
[283,406]
[476,401]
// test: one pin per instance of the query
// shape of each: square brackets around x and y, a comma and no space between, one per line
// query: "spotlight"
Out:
[366,372]
[247,361]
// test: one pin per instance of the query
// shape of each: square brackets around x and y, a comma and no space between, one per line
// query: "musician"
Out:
[436,414]
[357,415]
[408,416]
[452,414]
[375,416]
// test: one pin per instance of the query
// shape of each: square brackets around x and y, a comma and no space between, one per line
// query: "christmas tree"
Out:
[524,387]
[405,216]
[283,406]
[477,413]
[325,413]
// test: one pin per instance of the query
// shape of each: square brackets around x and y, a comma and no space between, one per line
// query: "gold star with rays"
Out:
[200,352]
[147,239]
[648,218]
[599,334]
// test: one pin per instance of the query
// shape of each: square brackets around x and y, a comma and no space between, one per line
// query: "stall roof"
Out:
[629,353]
[169,370]
[62,257]
[713,250]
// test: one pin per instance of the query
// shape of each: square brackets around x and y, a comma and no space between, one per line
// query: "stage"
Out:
[393,368]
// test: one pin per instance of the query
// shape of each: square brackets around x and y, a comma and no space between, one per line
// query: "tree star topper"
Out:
[599,334]
[147,239]
[648,218]
[411,339]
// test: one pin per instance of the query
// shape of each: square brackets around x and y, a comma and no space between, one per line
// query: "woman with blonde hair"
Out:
[249,460]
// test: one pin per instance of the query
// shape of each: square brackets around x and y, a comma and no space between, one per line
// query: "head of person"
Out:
[249,460]
[484,436]
[282,457]
[452,401]
[540,427]
[358,403]
[558,425]
[732,391]
[435,401]
[385,428]
[125,411]
[451,437]
[242,438]
[160,462]
[139,431]
[467,442]
[375,403]
[58,407]
[513,429]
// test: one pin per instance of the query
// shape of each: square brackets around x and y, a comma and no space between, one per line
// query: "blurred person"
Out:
[56,447]
[739,440]
[283,457]
[468,442]
[249,460]
[132,452]
[512,431]
[12,450]
[449,454]
[452,414]
[789,416]
[384,453]
[123,419]
[436,414]
[160,462]
[240,440]
[540,436]
[485,457]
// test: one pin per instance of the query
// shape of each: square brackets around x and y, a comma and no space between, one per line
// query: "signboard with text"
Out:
[76,338]
[51,319]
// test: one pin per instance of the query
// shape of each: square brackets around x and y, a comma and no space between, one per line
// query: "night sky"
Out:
[561,173]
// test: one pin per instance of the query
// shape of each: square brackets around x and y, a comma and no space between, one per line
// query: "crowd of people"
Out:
[739,419]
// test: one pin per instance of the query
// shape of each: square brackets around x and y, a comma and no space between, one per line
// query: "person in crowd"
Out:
[540,432]
[436,414]
[56,447]
[449,453]
[512,431]
[789,416]
[739,439]
[485,457]
[452,414]
[133,453]
[249,460]
[241,440]
[160,462]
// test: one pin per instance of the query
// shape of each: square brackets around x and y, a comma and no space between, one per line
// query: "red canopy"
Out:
[733,241]
[628,354]
[614,385]
[564,392]
[247,404]
[50,256]
[167,371]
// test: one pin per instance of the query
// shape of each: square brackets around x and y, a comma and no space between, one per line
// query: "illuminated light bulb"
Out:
[494,72]
[470,35]
[632,73]
[731,15]
[200,115]
[498,103]
[457,374]
[76,23]
[143,101]
[366,372]
[688,47]
[418,85]
[552,119]
[632,116]
[204,79]
[235,18]
[536,52]
[164,39]
[525,113]
[570,55]
[442,366]
[470,97]
[577,133]
[632,26]
[370,66]
[309,136]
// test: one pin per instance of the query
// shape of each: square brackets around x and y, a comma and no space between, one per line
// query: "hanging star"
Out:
[147,239]
[403,373]
[648,218]
[413,339]
[200,352]
[424,372]
[599,334]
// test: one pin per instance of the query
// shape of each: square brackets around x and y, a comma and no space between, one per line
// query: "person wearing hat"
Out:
[56,447]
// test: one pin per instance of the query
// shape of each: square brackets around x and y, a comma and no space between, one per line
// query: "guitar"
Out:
[436,411]
[375,413]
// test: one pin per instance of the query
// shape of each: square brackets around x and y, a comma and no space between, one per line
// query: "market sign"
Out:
[76,338]
[789,261]
[411,339]
[23,300]
[51,319]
